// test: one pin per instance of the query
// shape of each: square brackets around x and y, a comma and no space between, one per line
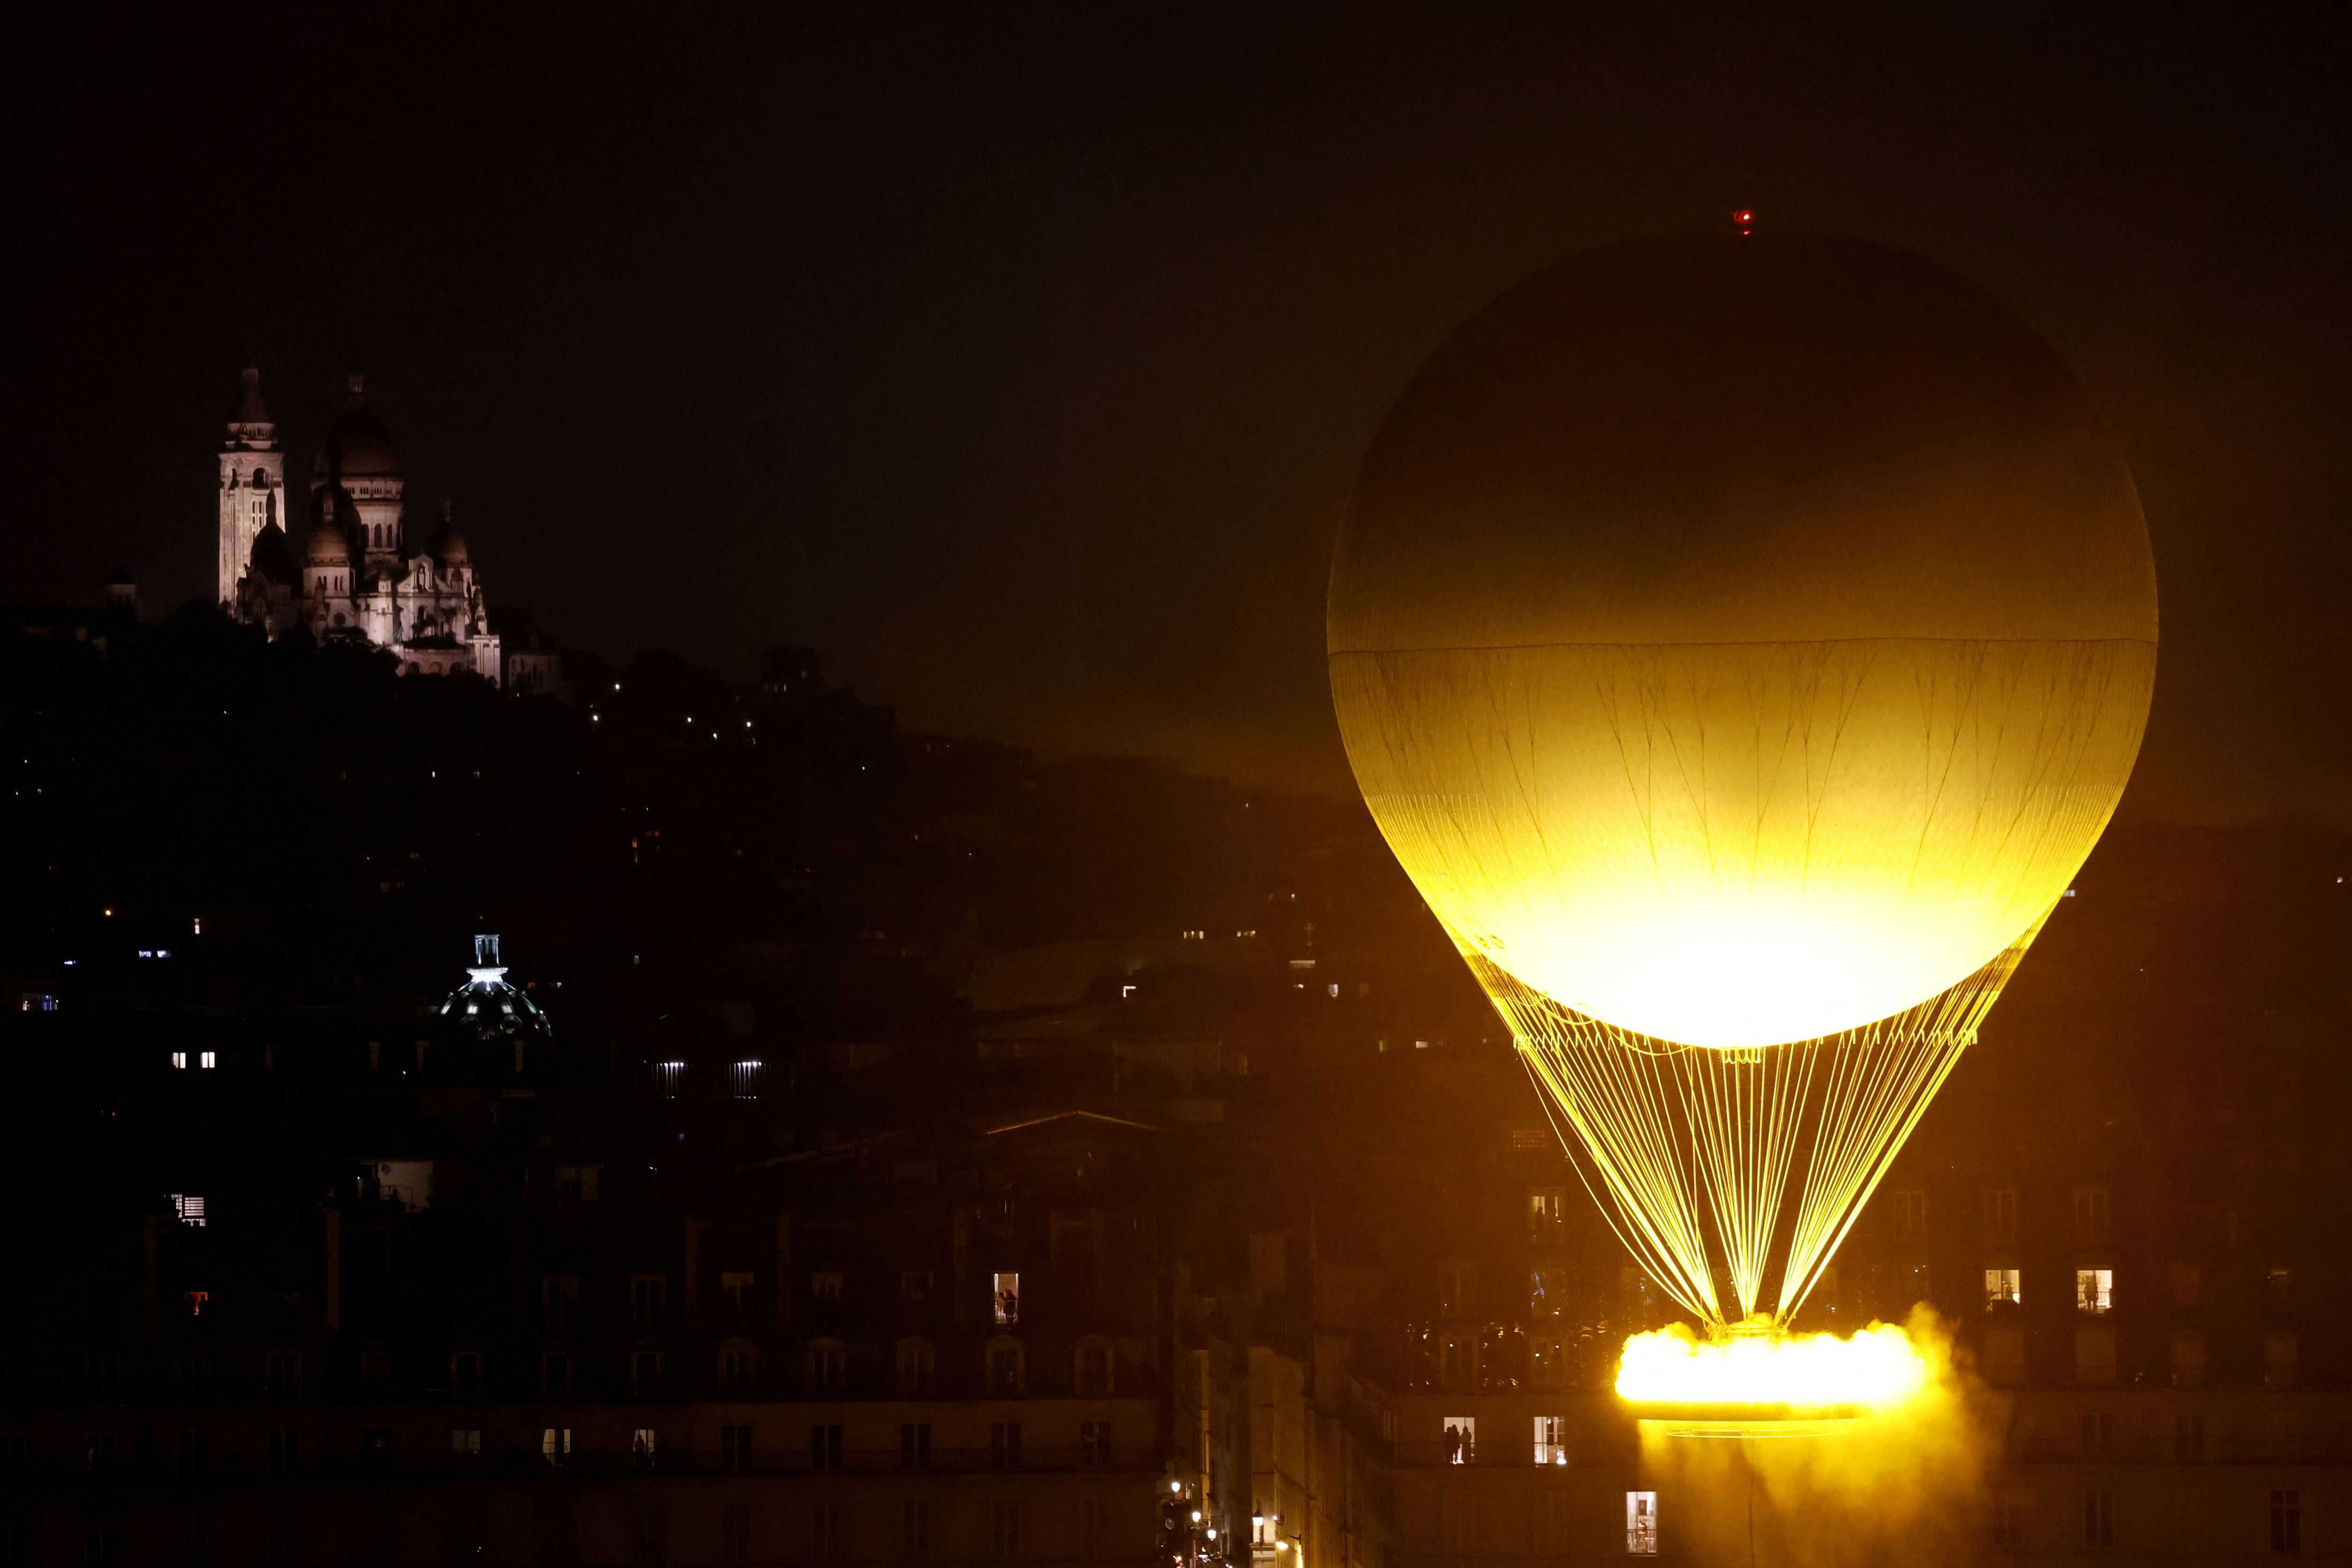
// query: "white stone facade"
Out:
[252,485]
[358,579]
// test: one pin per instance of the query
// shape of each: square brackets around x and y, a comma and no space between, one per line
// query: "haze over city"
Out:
[1021,358]
[1189,786]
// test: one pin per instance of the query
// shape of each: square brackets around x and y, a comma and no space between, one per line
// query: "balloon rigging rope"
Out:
[1690,1143]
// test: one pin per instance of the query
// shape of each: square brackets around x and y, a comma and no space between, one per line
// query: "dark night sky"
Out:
[1020,357]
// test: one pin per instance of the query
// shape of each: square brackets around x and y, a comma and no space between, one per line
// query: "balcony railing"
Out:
[599,1463]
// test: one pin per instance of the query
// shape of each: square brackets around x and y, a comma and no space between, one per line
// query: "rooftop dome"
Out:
[357,446]
[272,560]
[334,523]
[448,544]
[485,1008]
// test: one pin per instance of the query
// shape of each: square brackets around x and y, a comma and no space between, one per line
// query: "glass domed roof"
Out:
[486,1007]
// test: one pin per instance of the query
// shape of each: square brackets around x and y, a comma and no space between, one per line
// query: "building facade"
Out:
[354,576]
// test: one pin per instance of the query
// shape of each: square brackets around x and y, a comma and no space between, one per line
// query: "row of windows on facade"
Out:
[824,1367]
[1907,1208]
[738,1449]
[1458,1525]
[922,1528]
[2011,1522]
[743,1077]
[1550,1438]
[649,1293]
[2012,1519]
[2095,1288]
[1552,1291]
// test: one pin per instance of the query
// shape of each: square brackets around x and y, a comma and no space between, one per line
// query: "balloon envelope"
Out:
[1741,640]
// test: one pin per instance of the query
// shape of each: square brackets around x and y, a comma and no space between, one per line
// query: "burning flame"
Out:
[1879,1366]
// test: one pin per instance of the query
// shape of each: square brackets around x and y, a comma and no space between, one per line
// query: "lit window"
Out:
[2001,1287]
[1546,1208]
[466,1440]
[198,1302]
[1640,1524]
[743,1080]
[1007,1287]
[555,1446]
[207,1061]
[641,1447]
[180,1061]
[667,1076]
[1551,1440]
[825,1287]
[190,1208]
[1461,1439]
[2094,1290]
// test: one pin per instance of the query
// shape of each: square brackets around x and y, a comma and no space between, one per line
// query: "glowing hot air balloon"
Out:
[1741,642]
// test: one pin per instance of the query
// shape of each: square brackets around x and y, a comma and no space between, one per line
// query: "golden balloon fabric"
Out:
[1744,843]
[1742,639]
[1741,642]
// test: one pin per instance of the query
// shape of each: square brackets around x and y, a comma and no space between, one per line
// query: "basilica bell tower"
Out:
[252,487]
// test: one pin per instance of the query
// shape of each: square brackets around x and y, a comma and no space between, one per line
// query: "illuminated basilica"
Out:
[354,577]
